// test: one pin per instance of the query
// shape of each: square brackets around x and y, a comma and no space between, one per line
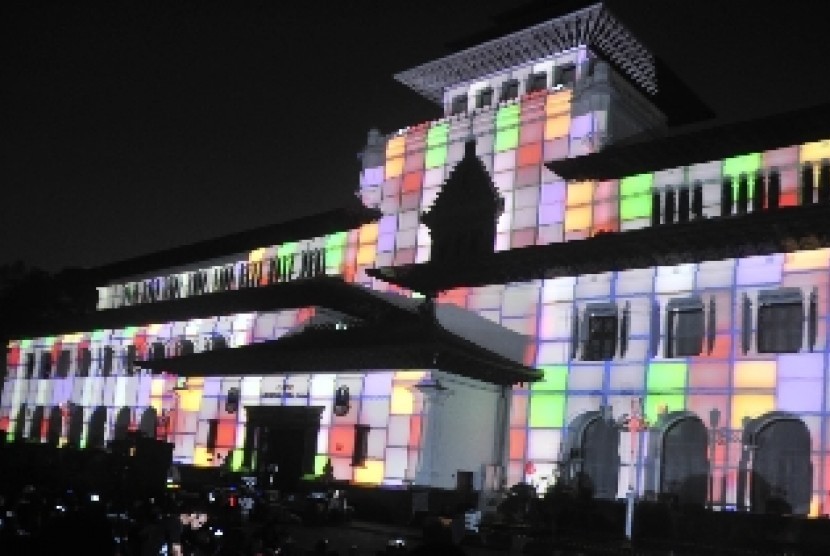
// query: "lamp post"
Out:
[635,423]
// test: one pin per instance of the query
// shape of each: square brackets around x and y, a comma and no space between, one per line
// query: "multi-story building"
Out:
[544,284]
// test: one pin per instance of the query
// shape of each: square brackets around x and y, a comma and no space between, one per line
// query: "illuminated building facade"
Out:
[676,287]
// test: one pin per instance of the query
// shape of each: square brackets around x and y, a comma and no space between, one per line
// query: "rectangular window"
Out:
[510,89]
[459,105]
[84,362]
[64,362]
[780,320]
[537,82]
[45,370]
[601,328]
[30,365]
[361,445]
[106,361]
[566,75]
[685,328]
[484,97]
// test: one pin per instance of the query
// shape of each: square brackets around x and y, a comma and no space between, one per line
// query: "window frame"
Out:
[608,311]
[675,308]
[783,299]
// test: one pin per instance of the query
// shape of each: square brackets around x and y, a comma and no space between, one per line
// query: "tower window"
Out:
[484,97]
[459,105]
[685,328]
[510,89]
[537,82]
[565,75]
[780,320]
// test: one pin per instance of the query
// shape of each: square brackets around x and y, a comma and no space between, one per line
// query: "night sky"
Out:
[130,127]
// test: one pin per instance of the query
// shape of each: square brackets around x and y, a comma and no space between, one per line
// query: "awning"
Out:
[450,338]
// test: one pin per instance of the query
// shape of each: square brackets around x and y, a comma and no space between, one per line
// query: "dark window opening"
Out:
[84,361]
[565,75]
[697,200]
[30,365]
[537,82]
[509,90]
[683,205]
[484,97]
[45,370]
[106,361]
[64,362]
[129,359]
[807,184]
[459,105]
[156,351]
[726,199]
[601,332]
[361,445]
[185,347]
[656,206]
[685,328]
[780,321]
[670,206]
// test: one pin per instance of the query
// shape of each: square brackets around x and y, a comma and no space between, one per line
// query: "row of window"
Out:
[691,326]
[230,277]
[756,192]
[563,76]
[600,333]
[44,367]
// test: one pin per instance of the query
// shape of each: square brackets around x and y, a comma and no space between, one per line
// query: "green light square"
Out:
[337,239]
[506,139]
[546,411]
[436,156]
[27,343]
[438,135]
[555,379]
[236,459]
[287,249]
[636,185]
[664,377]
[334,257]
[637,206]
[320,463]
[507,116]
[654,402]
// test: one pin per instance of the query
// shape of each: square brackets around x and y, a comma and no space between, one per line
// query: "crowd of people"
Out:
[36,521]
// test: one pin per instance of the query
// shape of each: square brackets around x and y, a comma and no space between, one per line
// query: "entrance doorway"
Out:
[280,443]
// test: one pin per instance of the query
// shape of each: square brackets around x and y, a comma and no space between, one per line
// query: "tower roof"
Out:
[593,25]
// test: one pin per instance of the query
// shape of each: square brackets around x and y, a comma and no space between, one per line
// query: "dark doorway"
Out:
[76,426]
[97,428]
[36,427]
[592,461]
[677,466]
[53,433]
[280,444]
[776,474]
[122,424]
[147,424]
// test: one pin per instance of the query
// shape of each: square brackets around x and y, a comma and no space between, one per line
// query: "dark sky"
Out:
[129,127]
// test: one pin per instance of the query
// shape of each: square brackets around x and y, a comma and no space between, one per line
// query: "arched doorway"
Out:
[97,428]
[776,473]
[148,423]
[122,424]
[53,433]
[76,426]
[20,423]
[36,427]
[591,455]
[677,464]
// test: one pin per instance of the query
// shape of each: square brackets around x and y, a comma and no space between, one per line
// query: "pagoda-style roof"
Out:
[591,25]
[686,147]
[306,227]
[406,334]
[783,230]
